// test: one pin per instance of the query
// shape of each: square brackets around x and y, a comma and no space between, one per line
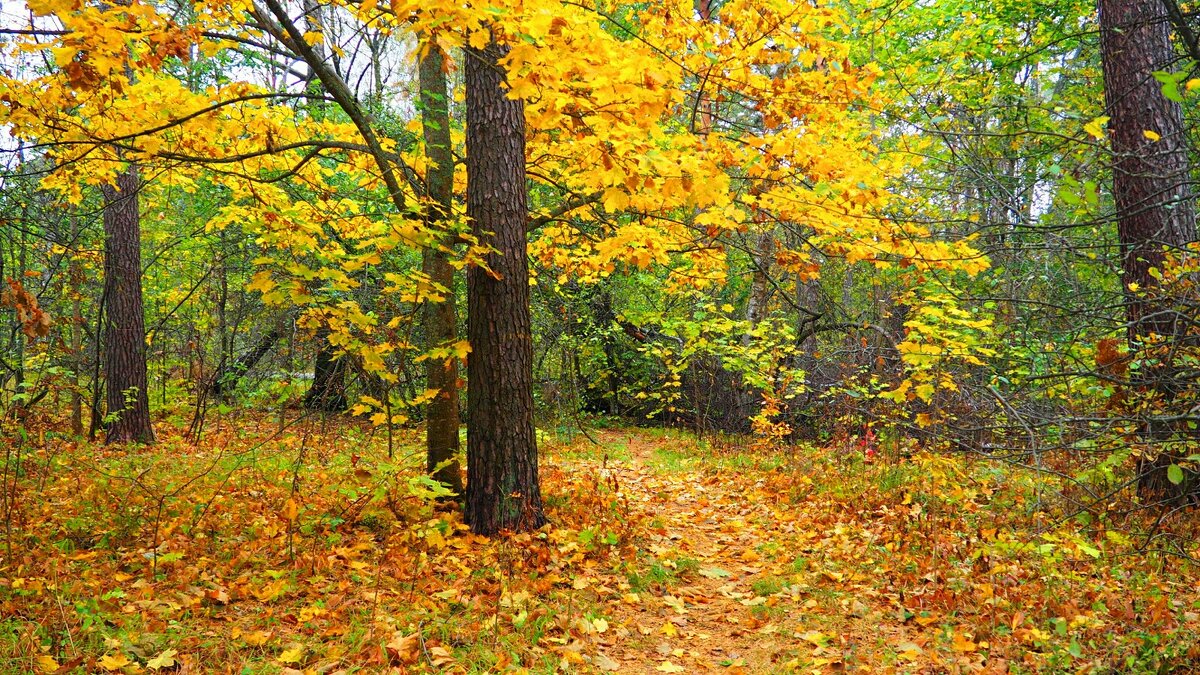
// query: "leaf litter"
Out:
[260,552]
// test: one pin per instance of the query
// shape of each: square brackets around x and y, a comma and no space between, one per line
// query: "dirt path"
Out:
[721,593]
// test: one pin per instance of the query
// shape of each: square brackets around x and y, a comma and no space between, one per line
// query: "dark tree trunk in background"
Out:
[1150,182]
[440,318]
[125,321]
[502,480]
[328,390]
[226,380]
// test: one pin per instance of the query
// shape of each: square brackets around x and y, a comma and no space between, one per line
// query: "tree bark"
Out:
[125,322]
[502,483]
[1150,186]
[440,318]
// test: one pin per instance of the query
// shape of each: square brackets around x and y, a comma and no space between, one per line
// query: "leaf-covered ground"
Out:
[308,550]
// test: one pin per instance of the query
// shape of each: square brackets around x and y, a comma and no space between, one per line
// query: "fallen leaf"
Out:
[675,604]
[668,667]
[164,660]
[962,644]
[112,662]
[257,638]
[293,655]
[817,638]
[404,648]
[603,662]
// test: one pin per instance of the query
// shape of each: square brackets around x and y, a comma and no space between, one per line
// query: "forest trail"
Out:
[736,578]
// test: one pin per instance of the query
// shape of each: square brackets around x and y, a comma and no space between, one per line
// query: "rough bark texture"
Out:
[1150,178]
[125,321]
[328,390]
[502,481]
[440,318]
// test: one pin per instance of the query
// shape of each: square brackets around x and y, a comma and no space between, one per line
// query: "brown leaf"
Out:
[404,649]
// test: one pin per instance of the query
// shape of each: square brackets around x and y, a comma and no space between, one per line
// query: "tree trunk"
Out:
[1150,186]
[328,390]
[440,318]
[76,278]
[230,375]
[125,321]
[502,481]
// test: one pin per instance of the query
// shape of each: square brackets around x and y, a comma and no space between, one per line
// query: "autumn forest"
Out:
[539,336]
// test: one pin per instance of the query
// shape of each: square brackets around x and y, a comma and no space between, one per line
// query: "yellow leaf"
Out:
[479,39]
[460,349]
[1095,128]
[290,510]
[600,625]
[164,660]
[615,200]
[1192,84]
[293,655]
[256,639]
[816,638]
[112,662]
[1151,135]
[962,644]
[46,663]
[668,667]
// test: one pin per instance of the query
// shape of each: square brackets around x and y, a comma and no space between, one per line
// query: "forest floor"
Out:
[308,550]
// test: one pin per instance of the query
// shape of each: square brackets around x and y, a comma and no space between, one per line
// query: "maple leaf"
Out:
[256,638]
[164,660]
[111,662]
[668,667]
[603,662]
[294,654]
[404,648]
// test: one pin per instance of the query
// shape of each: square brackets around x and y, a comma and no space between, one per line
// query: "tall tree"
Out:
[1150,179]
[502,480]
[440,318]
[125,321]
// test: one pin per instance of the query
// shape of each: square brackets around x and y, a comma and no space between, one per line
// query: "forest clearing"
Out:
[266,553]
[655,336]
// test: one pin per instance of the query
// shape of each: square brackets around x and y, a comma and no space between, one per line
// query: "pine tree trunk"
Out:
[125,322]
[440,318]
[1150,184]
[502,482]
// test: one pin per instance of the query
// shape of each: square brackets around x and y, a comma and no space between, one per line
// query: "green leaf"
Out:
[1075,649]
[1175,474]
[1170,86]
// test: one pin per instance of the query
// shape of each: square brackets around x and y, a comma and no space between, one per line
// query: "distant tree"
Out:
[440,318]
